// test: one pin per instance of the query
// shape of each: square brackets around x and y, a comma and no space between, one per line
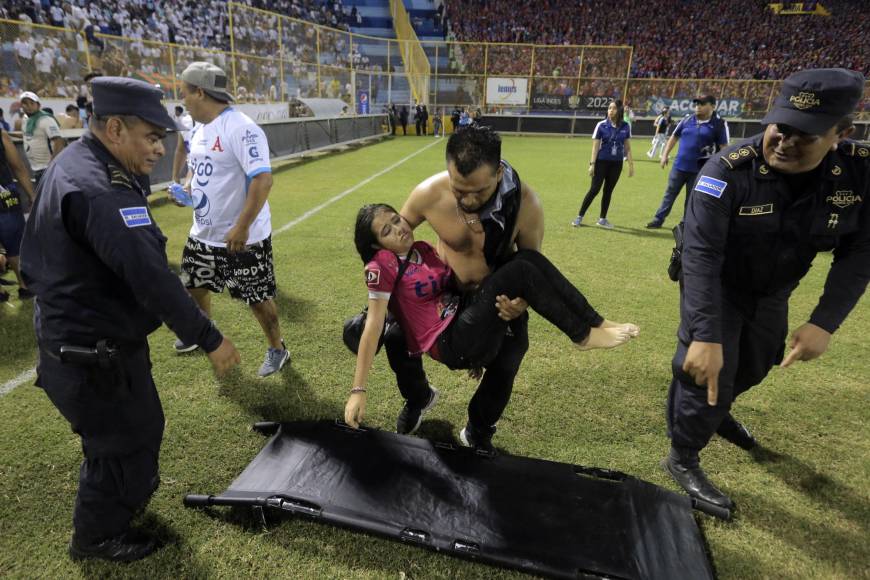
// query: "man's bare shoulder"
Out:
[530,199]
[431,188]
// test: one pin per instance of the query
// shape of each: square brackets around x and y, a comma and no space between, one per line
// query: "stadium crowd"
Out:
[680,39]
[188,22]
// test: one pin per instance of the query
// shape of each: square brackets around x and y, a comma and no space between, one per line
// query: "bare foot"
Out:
[604,338]
[633,329]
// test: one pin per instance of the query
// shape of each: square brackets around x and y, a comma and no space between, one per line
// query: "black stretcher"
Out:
[543,517]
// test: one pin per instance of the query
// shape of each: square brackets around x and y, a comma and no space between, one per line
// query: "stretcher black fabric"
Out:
[539,516]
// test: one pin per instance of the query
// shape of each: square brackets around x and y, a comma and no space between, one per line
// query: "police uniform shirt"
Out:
[753,232]
[96,259]
[612,140]
[225,155]
[698,141]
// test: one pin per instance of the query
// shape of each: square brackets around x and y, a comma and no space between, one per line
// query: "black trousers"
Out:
[118,415]
[606,173]
[751,344]
[474,337]
[478,338]
[417,125]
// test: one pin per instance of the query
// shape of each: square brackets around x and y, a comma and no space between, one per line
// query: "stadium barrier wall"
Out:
[584,126]
[288,138]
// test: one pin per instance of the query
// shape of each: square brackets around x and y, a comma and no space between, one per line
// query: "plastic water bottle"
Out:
[176,190]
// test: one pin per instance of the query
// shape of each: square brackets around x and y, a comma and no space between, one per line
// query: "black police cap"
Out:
[814,100]
[124,96]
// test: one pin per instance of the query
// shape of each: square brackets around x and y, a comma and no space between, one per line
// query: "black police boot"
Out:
[125,547]
[411,416]
[734,431]
[477,438]
[687,472]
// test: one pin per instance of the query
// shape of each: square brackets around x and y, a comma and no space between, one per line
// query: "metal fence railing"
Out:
[274,58]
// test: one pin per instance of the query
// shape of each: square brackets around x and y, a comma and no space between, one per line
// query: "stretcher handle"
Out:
[711,509]
[195,500]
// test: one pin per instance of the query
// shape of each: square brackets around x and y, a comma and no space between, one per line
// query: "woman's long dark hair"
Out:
[363,237]
[620,111]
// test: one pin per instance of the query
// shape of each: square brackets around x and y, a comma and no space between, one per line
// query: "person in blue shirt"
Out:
[610,145]
[700,136]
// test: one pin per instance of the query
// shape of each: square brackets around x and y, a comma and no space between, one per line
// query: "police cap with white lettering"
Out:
[124,96]
[814,100]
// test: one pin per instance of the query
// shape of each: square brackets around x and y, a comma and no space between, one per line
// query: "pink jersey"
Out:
[420,302]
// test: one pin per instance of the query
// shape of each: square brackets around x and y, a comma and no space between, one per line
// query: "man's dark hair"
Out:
[179,109]
[93,75]
[72,108]
[363,236]
[472,146]
[48,110]
[99,121]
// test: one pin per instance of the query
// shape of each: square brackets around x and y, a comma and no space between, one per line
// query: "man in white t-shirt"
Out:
[24,57]
[230,243]
[42,140]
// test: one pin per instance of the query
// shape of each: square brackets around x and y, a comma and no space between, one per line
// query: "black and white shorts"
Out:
[249,275]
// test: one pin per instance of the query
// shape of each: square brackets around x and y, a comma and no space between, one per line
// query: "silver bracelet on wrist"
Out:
[357,390]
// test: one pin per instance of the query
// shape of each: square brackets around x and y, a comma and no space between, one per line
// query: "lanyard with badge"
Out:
[614,131]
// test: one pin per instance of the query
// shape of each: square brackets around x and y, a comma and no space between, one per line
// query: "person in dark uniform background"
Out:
[96,261]
[759,213]
[13,175]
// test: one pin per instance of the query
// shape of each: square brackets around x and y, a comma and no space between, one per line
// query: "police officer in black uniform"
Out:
[759,213]
[96,261]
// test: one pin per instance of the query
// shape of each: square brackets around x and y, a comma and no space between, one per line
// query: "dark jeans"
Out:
[751,345]
[478,338]
[474,337]
[117,414]
[606,173]
[676,180]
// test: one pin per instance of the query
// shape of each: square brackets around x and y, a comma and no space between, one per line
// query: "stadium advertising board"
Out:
[560,102]
[507,91]
[725,107]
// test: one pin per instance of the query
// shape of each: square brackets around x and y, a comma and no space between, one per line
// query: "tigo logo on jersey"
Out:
[135,217]
[710,186]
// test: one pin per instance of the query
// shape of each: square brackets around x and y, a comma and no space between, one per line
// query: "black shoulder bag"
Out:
[354,326]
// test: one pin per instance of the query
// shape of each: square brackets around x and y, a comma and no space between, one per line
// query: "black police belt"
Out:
[8,198]
[105,355]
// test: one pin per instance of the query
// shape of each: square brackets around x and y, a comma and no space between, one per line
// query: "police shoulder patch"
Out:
[711,186]
[135,217]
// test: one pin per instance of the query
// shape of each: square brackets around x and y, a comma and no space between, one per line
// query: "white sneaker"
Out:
[577,221]
[604,224]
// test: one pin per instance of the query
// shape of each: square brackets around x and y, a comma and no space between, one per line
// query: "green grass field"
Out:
[803,513]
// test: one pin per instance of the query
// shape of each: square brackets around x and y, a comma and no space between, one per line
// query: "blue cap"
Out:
[125,96]
[814,100]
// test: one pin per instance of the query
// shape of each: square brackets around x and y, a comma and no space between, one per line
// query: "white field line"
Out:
[347,192]
[24,377]
[30,374]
